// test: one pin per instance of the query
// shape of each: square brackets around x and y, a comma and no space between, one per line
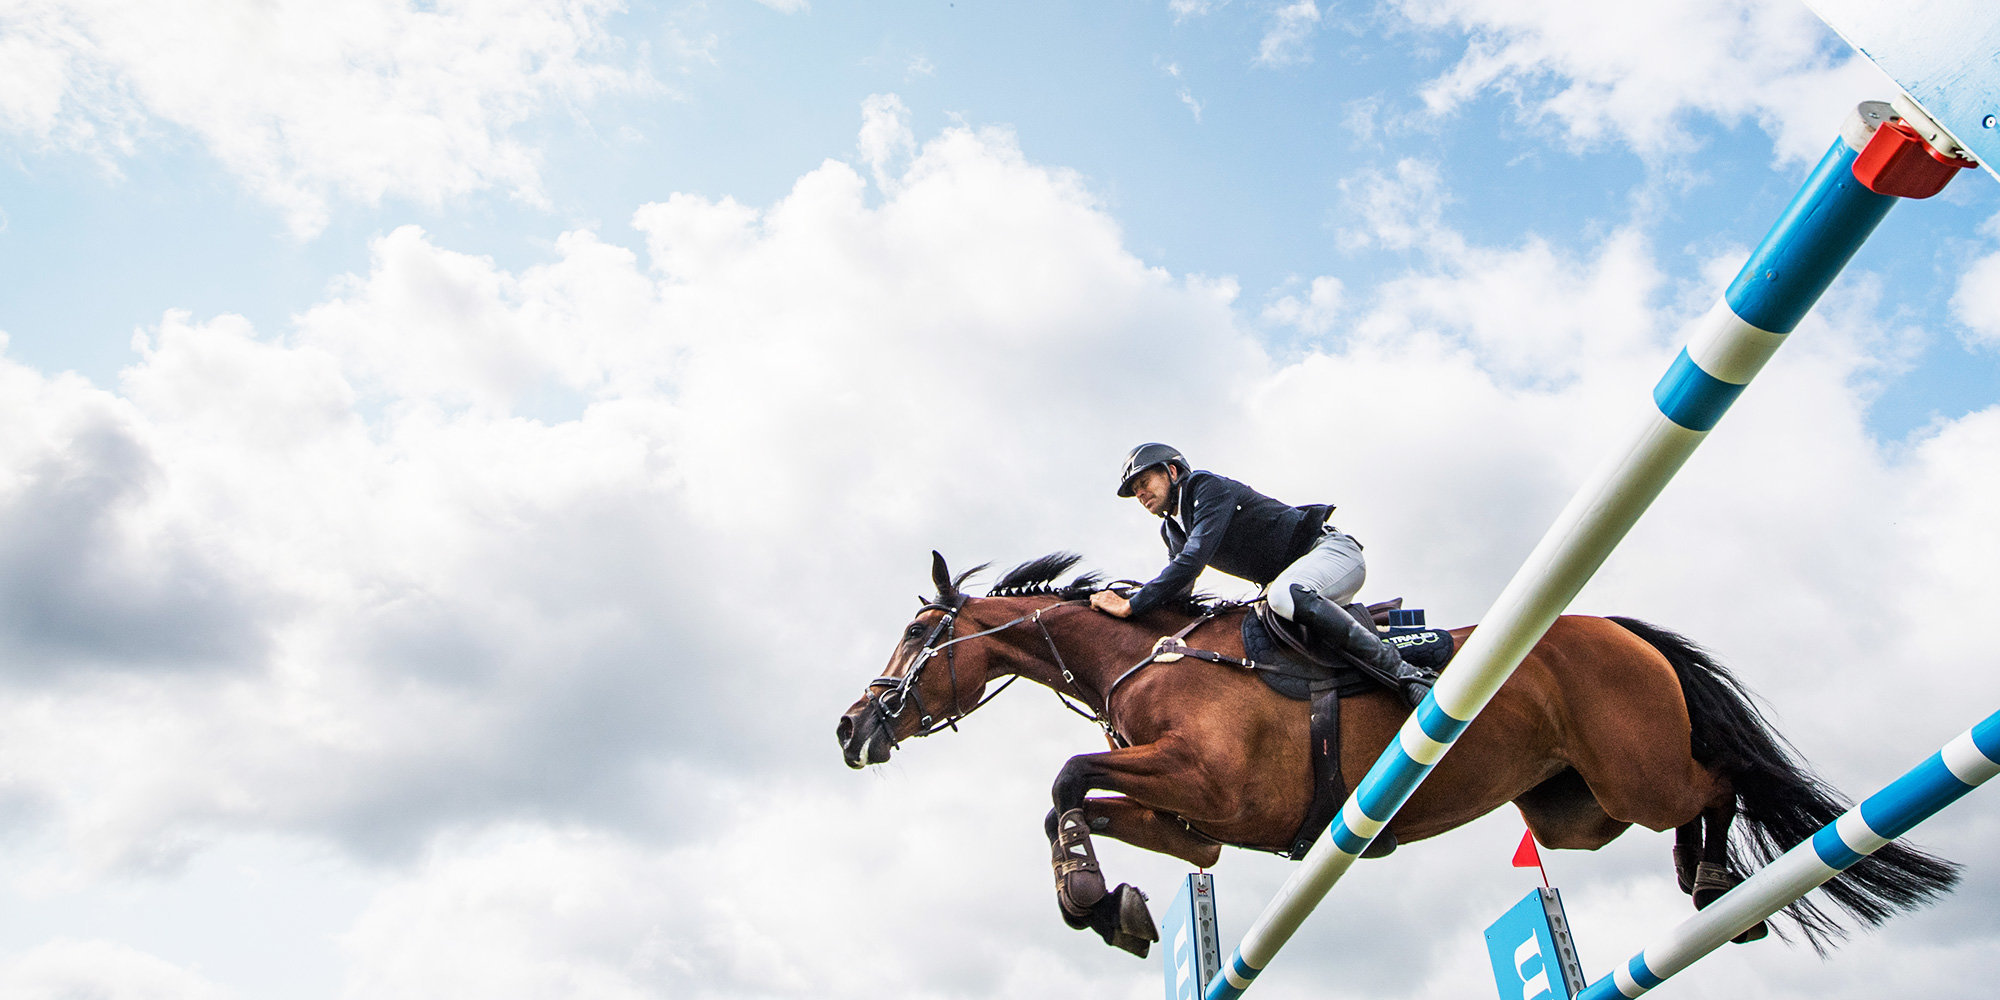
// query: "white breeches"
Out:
[1334,567]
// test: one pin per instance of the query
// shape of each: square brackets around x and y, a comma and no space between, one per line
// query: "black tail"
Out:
[1780,800]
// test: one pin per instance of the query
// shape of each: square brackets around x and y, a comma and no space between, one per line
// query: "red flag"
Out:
[1525,855]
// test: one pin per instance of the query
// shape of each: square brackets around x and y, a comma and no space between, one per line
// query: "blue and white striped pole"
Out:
[1824,225]
[1964,764]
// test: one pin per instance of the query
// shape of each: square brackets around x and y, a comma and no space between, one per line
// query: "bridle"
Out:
[899,694]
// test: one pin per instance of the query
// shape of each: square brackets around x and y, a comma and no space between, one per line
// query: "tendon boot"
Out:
[1079,882]
[1686,857]
[1333,626]
[1711,882]
[1119,915]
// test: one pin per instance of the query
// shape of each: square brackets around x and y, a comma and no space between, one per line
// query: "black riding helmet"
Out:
[1145,457]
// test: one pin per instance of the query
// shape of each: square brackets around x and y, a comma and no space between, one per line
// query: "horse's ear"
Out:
[941,575]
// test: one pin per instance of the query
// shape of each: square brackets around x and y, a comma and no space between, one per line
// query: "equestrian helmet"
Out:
[1145,457]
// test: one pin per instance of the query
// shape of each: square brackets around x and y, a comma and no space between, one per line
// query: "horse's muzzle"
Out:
[864,735]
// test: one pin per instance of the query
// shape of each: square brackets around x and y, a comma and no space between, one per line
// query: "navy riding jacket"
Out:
[1233,528]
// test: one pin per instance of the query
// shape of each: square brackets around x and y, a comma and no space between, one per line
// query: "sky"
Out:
[458,460]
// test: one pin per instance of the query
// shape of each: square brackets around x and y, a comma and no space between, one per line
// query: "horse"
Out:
[1608,723]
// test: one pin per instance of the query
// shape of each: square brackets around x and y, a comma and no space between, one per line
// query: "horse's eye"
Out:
[916,629]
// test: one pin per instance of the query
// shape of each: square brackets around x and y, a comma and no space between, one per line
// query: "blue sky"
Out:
[1213,161]
[457,460]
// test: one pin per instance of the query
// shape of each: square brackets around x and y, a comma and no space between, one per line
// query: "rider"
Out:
[1308,568]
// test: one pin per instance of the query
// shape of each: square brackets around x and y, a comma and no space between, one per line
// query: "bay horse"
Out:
[1607,723]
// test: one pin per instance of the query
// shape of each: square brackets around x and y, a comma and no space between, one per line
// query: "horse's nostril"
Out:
[844,731]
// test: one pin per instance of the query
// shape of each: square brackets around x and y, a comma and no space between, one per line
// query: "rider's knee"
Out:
[1279,597]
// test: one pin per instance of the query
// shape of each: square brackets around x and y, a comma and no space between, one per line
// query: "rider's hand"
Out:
[1111,604]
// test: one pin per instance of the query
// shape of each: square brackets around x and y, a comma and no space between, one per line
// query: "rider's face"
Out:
[1150,489]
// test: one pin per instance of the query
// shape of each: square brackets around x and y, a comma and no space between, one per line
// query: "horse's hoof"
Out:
[1136,931]
[1382,846]
[1137,946]
[1757,933]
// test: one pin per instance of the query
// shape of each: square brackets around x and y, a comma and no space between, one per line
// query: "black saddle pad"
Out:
[1430,648]
[1298,679]
[1291,676]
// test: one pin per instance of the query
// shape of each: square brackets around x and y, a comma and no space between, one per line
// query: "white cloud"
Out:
[1184,9]
[68,969]
[1401,212]
[1184,92]
[1633,73]
[1193,106]
[1287,41]
[311,103]
[1976,302]
[583,667]
[886,140]
[417,593]
[1313,314]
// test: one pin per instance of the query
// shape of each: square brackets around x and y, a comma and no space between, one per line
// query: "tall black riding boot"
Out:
[1332,625]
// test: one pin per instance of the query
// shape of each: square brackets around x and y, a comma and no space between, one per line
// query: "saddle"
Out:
[1287,663]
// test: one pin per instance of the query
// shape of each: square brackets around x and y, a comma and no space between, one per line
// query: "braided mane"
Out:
[1037,578]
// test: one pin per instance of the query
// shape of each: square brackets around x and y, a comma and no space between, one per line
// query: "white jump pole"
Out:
[1964,764]
[1829,218]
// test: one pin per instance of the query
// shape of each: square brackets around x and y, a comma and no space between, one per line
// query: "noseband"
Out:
[898,694]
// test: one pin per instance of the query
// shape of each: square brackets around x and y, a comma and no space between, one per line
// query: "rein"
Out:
[900,692]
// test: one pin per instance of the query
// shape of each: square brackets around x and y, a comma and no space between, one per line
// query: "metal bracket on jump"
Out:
[1903,152]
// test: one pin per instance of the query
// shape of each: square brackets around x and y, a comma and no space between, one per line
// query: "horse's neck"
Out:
[1096,649]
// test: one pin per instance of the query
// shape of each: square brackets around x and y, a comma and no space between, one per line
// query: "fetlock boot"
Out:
[1332,625]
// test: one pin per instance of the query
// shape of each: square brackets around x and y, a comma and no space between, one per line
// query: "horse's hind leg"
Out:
[1687,854]
[1711,876]
[1564,815]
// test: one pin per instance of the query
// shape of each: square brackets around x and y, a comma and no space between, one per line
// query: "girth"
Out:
[1329,785]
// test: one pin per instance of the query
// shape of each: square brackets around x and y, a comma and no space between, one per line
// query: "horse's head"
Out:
[927,685]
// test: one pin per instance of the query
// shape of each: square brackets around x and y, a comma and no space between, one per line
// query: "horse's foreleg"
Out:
[1150,829]
[1119,915]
